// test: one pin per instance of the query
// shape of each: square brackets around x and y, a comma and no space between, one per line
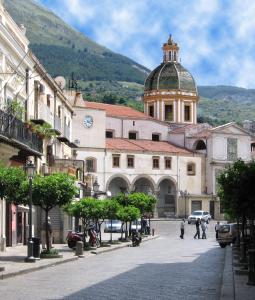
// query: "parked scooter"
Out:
[136,239]
[93,237]
[73,237]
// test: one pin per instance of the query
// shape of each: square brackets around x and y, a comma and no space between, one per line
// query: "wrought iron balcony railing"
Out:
[15,131]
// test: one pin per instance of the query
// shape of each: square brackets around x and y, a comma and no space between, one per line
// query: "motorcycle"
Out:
[136,239]
[93,237]
[73,237]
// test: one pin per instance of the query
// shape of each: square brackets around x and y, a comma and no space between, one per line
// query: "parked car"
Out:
[114,226]
[199,214]
[135,227]
[227,234]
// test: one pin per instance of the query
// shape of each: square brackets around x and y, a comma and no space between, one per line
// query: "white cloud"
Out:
[216,37]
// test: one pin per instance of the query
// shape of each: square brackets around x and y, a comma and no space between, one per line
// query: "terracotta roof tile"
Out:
[144,145]
[117,110]
[182,129]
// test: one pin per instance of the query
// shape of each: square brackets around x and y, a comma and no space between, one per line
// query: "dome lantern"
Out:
[170,51]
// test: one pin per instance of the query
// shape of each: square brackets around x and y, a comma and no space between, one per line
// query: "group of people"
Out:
[199,224]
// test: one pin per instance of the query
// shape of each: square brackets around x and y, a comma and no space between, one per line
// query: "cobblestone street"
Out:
[164,268]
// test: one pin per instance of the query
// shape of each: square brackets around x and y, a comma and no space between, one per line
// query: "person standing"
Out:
[197,229]
[182,225]
[44,242]
[203,227]
[217,227]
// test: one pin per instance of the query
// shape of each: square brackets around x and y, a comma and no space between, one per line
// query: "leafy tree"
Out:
[11,179]
[236,192]
[127,214]
[84,209]
[54,190]
[111,208]
[145,203]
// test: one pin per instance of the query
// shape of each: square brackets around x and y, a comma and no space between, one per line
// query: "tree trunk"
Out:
[47,230]
[126,231]
[100,235]
[111,232]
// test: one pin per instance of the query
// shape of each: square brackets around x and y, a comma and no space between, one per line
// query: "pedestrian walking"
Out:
[44,234]
[217,227]
[182,225]
[197,229]
[204,228]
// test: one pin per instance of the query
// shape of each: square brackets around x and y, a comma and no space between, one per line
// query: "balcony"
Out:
[65,138]
[15,133]
[70,166]
[44,115]
[57,125]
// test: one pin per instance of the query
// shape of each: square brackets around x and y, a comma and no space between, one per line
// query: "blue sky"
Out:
[216,37]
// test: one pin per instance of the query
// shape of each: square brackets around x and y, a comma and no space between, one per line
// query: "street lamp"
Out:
[30,169]
[96,188]
[184,195]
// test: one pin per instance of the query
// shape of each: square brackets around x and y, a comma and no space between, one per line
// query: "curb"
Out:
[52,264]
[228,287]
[127,244]
[25,271]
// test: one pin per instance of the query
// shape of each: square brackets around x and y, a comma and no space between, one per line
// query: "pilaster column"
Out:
[162,110]
[175,108]
[158,115]
[179,111]
[195,113]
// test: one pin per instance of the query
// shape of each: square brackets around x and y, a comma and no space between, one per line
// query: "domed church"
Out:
[170,92]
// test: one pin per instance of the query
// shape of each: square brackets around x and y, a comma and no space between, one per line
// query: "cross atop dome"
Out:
[170,50]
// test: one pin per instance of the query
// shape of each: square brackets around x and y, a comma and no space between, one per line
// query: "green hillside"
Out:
[64,50]
[105,76]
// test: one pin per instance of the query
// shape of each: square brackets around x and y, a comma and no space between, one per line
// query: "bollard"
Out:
[79,249]
[153,231]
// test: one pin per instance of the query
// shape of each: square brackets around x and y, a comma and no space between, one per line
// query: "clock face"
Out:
[88,121]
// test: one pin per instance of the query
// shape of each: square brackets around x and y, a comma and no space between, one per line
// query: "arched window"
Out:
[200,145]
[191,169]
[90,164]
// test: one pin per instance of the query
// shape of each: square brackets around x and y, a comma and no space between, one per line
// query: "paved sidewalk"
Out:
[13,260]
[234,286]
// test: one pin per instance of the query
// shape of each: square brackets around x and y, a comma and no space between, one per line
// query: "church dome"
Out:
[170,75]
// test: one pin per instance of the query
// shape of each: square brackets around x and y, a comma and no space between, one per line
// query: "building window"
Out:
[155,137]
[132,135]
[151,111]
[169,116]
[59,111]
[155,162]
[186,113]
[170,55]
[90,165]
[168,163]
[116,161]
[232,148]
[130,161]
[175,57]
[48,100]
[196,205]
[109,134]
[191,169]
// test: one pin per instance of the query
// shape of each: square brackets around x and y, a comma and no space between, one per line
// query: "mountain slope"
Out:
[64,50]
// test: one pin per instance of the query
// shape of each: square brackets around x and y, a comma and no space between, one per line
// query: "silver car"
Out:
[199,214]
[114,226]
